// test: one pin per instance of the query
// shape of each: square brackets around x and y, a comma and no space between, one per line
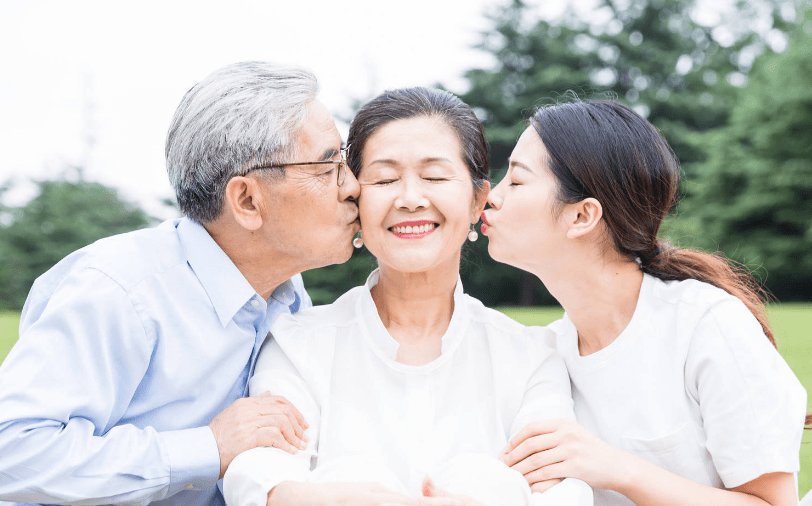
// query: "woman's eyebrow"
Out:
[514,163]
[434,159]
[424,161]
[384,161]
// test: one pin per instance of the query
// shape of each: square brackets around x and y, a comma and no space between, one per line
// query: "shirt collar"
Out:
[227,288]
[386,344]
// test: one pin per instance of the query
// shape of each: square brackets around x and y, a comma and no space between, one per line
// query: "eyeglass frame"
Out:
[341,163]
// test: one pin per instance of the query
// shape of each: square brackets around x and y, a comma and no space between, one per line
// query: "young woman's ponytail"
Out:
[670,263]
[606,151]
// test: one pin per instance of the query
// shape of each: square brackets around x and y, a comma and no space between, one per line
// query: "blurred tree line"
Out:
[737,113]
[66,214]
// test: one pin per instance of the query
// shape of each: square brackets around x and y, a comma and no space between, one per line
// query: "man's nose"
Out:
[350,189]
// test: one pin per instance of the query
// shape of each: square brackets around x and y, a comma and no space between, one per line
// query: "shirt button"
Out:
[254,302]
[190,486]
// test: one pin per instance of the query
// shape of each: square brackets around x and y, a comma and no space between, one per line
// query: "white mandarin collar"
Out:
[386,347]
[225,285]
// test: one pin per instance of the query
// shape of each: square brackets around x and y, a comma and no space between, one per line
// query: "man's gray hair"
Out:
[241,116]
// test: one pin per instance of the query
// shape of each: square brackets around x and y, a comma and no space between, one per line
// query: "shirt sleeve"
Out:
[81,355]
[570,492]
[752,404]
[548,395]
[254,473]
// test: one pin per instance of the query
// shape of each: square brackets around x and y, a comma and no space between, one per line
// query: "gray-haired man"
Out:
[126,384]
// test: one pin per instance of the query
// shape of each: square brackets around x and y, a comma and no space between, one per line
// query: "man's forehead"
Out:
[319,131]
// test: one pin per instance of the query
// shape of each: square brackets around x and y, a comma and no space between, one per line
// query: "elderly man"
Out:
[126,384]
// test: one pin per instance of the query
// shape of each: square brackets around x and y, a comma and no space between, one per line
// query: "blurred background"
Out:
[87,90]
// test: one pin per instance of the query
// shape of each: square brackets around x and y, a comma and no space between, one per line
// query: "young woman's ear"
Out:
[244,200]
[480,199]
[582,217]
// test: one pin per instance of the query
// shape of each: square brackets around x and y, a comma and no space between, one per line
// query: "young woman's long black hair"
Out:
[604,150]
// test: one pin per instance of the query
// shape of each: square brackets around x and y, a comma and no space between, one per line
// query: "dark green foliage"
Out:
[754,197]
[64,217]
[633,57]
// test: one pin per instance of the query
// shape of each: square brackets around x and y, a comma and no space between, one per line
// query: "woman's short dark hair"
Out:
[406,103]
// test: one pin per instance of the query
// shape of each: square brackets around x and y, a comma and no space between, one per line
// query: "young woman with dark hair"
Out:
[680,395]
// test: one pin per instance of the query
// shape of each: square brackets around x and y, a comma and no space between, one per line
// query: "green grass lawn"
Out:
[792,324]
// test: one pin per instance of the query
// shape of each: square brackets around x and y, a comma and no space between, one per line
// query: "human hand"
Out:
[264,420]
[431,490]
[556,449]
[350,494]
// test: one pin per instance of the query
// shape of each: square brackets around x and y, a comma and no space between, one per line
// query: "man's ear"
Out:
[244,200]
[582,217]
[480,199]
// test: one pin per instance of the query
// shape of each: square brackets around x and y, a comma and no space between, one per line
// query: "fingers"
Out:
[268,404]
[557,471]
[543,486]
[534,429]
[529,446]
[538,460]
[283,423]
[433,495]
[272,436]
[429,489]
[290,408]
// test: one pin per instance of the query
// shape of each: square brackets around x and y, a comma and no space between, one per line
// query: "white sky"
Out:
[117,70]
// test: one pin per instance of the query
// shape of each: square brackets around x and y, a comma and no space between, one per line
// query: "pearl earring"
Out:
[472,235]
[358,241]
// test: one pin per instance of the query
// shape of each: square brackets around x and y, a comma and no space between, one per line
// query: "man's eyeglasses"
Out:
[341,173]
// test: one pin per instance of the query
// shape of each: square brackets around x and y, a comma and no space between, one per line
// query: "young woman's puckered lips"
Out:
[485,223]
[414,229]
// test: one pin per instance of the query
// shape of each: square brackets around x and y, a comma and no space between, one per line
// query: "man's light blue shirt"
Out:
[128,348]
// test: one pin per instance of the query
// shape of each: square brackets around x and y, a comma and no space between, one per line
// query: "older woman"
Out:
[681,395]
[407,377]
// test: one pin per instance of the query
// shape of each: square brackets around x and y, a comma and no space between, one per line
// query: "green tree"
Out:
[754,198]
[650,55]
[63,217]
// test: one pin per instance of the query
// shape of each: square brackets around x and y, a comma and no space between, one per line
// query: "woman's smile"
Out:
[414,229]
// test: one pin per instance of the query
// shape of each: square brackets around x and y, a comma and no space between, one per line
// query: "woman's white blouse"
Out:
[336,364]
[692,385]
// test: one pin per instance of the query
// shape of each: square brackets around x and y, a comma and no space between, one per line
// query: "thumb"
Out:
[432,490]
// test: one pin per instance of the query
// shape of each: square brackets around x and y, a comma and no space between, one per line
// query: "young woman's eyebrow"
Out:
[520,165]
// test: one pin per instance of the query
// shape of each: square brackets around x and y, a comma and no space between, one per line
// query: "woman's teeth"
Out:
[421,229]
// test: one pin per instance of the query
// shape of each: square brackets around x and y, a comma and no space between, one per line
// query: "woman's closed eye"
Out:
[383,182]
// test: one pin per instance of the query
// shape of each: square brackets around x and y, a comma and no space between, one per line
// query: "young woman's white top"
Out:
[692,385]
[336,364]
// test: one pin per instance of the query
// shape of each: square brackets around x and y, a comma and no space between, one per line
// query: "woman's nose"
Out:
[412,196]
[495,197]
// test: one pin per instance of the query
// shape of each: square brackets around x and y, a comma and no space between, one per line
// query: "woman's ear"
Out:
[480,199]
[582,217]
[244,200]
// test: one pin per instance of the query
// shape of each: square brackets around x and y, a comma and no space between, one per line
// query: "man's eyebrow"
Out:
[329,154]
